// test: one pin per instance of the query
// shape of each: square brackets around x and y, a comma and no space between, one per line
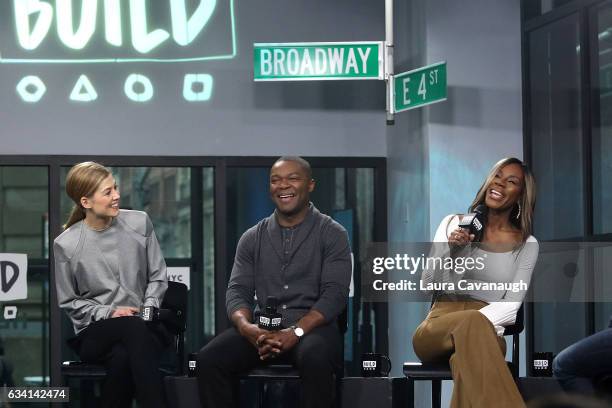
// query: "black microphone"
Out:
[192,365]
[149,313]
[270,319]
[475,222]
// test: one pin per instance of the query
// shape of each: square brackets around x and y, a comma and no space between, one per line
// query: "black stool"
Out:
[439,371]
[284,372]
[273,372]
[173,314]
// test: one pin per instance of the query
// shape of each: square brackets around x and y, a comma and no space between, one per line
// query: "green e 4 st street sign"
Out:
[419,87]
[318,61]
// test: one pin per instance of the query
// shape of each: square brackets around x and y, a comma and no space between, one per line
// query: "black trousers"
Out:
[317,356]
[130,351]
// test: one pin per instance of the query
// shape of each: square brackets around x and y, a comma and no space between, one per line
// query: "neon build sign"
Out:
[114,32]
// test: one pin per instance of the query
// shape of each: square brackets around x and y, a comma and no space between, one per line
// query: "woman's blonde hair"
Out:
[526,202]
[82,181]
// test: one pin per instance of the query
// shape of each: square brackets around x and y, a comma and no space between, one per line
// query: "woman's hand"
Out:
[125,311]
[459,238]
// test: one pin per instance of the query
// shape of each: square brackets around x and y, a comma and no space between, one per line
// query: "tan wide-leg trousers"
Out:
[457,331]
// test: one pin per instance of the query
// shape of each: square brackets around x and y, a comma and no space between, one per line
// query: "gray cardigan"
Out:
[316,276]
[95,271]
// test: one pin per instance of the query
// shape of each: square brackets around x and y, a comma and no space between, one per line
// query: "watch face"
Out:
[299,331]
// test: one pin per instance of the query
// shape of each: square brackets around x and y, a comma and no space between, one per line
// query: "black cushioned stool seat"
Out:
[428,371]
[273,372]
[83,370]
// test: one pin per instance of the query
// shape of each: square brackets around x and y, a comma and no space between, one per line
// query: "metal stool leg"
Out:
[436,393]
[261,391]
[410,386]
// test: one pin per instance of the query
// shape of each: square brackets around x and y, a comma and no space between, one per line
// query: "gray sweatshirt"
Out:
[97,271]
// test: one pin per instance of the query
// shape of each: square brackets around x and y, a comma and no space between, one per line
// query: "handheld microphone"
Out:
[270,319]
[149,313]
[192,365]
[475,222]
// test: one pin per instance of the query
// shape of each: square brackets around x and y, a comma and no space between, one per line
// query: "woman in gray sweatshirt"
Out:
[108,265]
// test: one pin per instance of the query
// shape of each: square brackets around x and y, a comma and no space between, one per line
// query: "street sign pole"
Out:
[389,47]
[391,101]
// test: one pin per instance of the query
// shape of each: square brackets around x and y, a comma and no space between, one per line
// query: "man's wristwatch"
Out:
[298,331]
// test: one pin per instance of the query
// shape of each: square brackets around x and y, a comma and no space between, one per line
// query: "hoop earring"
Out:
[519,211]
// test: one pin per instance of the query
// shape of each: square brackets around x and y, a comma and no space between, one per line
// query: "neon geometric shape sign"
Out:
[83,90]
[31,88]
[191,81]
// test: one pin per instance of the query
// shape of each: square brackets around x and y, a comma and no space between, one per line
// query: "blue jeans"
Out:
[580,364]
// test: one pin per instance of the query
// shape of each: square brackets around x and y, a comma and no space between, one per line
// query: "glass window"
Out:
[602,164]
[558,325]
[24,341]
[602,126]
[535,8]
[23,204]
[556,136]
[164,193]
[564,273]
[557,162]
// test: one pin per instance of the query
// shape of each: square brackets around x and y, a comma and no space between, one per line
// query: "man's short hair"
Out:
[297,159]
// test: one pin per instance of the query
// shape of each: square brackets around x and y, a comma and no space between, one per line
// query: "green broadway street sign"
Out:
[318,61]
[419,87]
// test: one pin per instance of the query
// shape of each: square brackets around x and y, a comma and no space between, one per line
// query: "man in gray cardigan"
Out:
[302,258]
